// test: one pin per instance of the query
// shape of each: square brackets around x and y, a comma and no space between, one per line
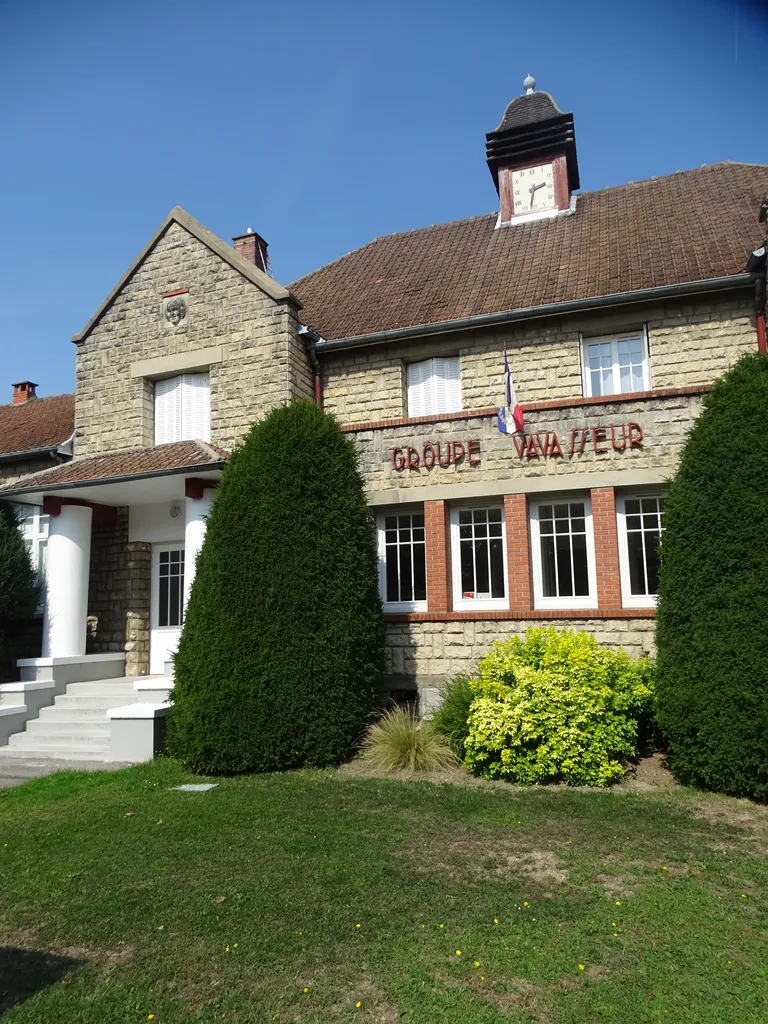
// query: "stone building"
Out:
[614,310]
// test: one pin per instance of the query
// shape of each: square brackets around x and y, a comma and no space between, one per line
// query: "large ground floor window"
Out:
[403,561]
[640,525]
[478,552]
[563,554]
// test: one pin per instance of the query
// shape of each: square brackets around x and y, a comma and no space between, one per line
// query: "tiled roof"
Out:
[37,423]
[528,109]
[689,226]
[132,462]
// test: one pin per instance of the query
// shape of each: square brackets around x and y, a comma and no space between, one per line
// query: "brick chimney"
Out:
[253,248]
[23,391]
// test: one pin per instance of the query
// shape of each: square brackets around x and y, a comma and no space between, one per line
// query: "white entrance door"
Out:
[167,611]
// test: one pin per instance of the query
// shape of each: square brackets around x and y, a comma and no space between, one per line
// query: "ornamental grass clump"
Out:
[557,706]
[401,740]
[711,631]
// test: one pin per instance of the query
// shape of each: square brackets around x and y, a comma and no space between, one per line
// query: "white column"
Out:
[194,533]
[68,557]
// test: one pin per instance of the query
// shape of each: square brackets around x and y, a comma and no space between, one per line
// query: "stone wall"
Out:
[427,654]
[119,594]
[11,472]
[690,344]
[500,468]
[263,361]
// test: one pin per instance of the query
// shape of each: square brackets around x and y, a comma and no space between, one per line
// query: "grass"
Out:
[400,739]
[293,898]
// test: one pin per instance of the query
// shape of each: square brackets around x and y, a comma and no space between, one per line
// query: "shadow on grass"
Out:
[23,972]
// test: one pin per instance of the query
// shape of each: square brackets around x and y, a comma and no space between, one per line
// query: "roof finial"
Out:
[529,85]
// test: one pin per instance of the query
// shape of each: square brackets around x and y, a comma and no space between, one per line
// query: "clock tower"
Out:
[532,158]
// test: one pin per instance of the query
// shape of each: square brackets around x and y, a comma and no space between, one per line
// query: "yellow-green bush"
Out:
[557,706]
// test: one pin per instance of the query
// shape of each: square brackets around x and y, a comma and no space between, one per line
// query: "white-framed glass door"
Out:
[167,603]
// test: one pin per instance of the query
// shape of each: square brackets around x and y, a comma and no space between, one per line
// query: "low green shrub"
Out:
[451,719]
[556,706]
[401,739]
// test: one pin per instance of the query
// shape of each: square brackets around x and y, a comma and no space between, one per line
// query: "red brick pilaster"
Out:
[438,536]
[606,548]
[518,551]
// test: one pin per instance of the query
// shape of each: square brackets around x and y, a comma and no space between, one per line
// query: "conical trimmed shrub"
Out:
[280,655]
[712,625]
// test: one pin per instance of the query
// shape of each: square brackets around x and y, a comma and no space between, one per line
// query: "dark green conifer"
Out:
[279,659]
[712,625]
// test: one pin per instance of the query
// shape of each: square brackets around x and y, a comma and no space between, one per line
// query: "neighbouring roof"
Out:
[689,226]
[178,215]
[163,458]
[37,424]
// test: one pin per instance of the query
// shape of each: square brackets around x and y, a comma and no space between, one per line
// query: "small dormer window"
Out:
[183,408]
[434,386]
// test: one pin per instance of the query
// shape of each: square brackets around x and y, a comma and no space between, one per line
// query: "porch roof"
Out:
[126,477]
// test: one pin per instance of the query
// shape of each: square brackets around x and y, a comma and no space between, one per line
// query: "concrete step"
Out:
[95,700]
[74,713]
[74,740]
[103,686]
[63,752]
[92,727]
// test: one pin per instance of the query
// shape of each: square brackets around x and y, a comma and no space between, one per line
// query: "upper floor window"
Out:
[563,554]
[403,561]
[434,386]
[616,365]
[182,408]
[479,558]
[640,522]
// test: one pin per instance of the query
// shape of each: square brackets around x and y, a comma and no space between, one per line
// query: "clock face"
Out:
[533,189]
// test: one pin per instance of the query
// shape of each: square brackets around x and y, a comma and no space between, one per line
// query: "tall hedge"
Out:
[712,624]
[19,591]
[281,650]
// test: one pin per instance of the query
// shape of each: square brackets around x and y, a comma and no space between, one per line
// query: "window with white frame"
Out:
[563,554]
[434,386]
[183,408]
[34,530]
[616,365]
[641,523]
[478,558]
[403,560]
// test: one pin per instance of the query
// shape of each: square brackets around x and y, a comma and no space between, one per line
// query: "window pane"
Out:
[467,569]
[406,580]
[420,572]
[564,574]
[390,522]
[652,561]
[636,563]
[482,569]
[162,619]
[580,569]
[548,568]
[497,568]
[393,593]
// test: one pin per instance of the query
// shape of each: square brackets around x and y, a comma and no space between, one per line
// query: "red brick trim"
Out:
[606,547]
[518,550]
[53,504]
[179,291]
[557,403]
[518,614]
[438,540]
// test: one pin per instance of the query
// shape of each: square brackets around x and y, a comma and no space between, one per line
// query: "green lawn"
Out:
[623,908]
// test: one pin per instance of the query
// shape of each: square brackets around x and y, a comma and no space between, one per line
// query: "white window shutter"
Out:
[167,410]
[446,384]
[195,407]
[417,383]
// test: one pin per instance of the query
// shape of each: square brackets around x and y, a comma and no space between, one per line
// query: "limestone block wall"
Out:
[431,653]
[11,472]
[119,594]
[690,344]
[263,361]
[497,464]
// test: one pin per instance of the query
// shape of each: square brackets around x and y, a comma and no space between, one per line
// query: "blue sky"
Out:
[322,125]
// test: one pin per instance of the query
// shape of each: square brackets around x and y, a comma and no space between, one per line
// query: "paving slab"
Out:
[15,771]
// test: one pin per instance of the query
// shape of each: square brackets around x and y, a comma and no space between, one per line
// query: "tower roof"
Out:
[533,128]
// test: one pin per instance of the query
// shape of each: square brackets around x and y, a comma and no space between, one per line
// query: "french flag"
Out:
[510,418]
